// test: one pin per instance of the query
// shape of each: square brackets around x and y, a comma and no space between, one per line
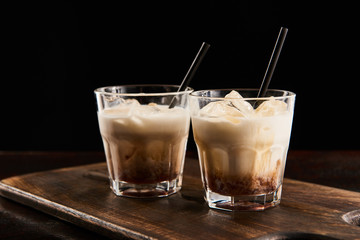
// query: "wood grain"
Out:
[75,195]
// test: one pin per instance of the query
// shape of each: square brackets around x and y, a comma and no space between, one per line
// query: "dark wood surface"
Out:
[332,168]
[81,196]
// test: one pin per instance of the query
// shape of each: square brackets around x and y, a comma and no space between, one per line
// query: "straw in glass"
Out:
[273,61]
[192,70]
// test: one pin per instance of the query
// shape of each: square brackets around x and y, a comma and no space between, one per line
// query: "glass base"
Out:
[161,189]
[244,202]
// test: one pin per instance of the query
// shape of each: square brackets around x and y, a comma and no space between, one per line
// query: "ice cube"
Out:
[233,94]
[220,109]
[147,110]
[112,101]
[271,107]
[121,108]
[131,105]
[154,106]
[234,99]
[131,102]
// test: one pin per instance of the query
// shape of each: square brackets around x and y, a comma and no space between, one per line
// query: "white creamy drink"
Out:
[144,144]
[242,150]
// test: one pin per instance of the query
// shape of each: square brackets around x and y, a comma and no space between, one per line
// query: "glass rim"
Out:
[289,94]
[100,90]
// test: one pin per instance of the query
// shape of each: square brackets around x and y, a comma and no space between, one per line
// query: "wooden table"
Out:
[332,168]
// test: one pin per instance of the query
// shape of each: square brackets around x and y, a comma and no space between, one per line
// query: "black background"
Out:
[56,53]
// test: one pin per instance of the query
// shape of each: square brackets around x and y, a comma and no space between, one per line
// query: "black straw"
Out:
[273,61]
[192,70]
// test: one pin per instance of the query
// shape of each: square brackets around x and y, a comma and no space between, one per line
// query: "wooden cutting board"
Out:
[81,195]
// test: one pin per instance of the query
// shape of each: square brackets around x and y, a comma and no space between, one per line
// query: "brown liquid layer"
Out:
[246,185]
[243,184]
[147,174]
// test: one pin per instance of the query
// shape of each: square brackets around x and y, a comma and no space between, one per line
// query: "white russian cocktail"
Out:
[242,150]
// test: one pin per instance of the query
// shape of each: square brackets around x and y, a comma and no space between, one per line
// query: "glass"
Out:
[144,140]
[242,143]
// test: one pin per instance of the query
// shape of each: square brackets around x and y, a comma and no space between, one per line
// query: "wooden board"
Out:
[82,196]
